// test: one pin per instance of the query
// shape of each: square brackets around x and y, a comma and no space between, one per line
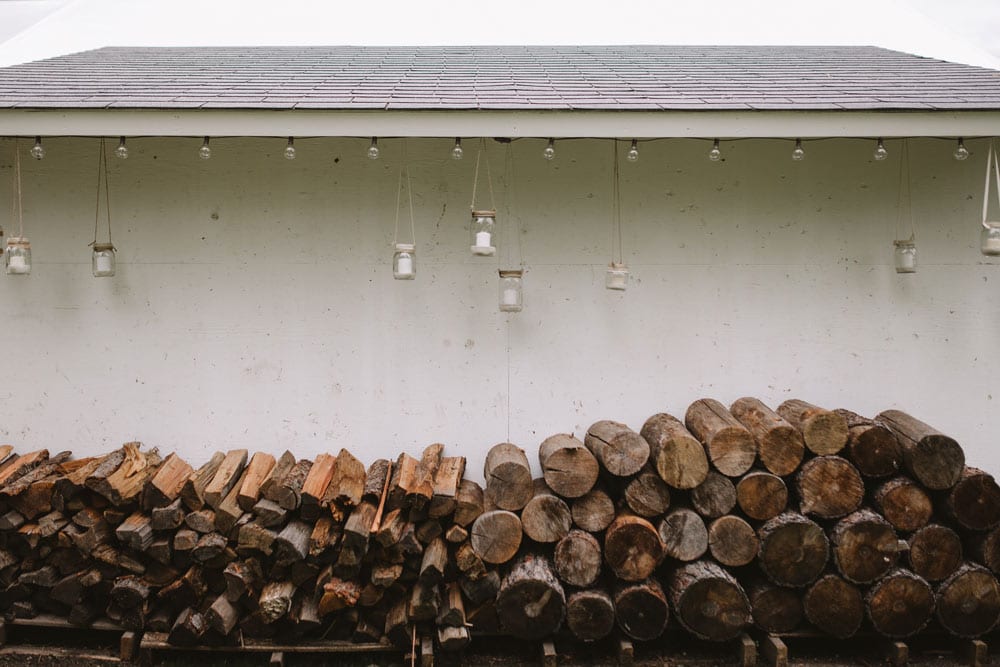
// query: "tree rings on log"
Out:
[593,512]
[546,517]
[900,604]
[871,447]
[903,504]
[679,458]
[824,431]
[569,468]
[496,536]
[642,610]
[647,495]
[775,609]
[590,614]
[779,444]
[732,541]
[578,559]
[632,548]
[834,606]
[714,497]
[761,495]
[935,552]
[864,547]
[684,535]
[620,450]
[974,501]
[829,487]
[708,601]
[793,550]
[531,602]
[731,448]
[508,477]
[968,602]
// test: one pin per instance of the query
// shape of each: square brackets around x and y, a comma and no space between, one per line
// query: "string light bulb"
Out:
[373,149]
[633,152]
[457,153]
[38,151]
[290,149]
[880,152]
[799,153]
[122,151]
[205,152]
[961,152]
[550,151]
[715,154]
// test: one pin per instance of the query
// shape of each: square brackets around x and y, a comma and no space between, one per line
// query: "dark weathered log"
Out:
[496,536]
[677,456]
[900,604]
[339,594]
[829,487]
[269,513]
[834,606]
[281,468]
[641,609]
[226,477]
[375,480]
[468,503]
[933,458]
[508,477]
[714,497]
[968,602]
[569,468]
[292,543]
[593,512]
[202,521]
[288,493]
[425,601]
[632,548]
[193,491]
[731,447]
[222,616]
[903,503]
[421,492]
[732,541]
[456,534]
[824,431]
[136,532]
[397,626]
[590,614]
[168,517]
[434,562]
[481,589]
[228,513]
[188,629]
[684,535]
[531,602]
[779,444]
[775,609]
[761,495]
[161,551]
[257,471]
[935,552]
[165,486]
[864,547]
[546,518]
[315,484]
[708,601]
[577,559]
[793,550]
[647,495]
[453,638]
[275,600]
[985,549]
[974,501]
[468,562]
[404,479]
[243,578]
[354,541]
[347,485]
[871,447]
[190,589]
[620,450]
[209,546]
[452,608]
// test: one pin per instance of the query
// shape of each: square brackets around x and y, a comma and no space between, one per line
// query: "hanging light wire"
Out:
[904,190]
[102,169]
[17,209]
[616,220]
[404,171]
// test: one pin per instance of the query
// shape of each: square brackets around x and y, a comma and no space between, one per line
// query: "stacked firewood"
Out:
[727,518]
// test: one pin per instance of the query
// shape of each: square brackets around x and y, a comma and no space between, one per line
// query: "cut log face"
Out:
[968,602]
[620,450]
[531,602]
[678,457]
[569,468]
[825,432]
[590,614]
[641,610]
[933,458]
[935,552]
[793,550]
[904,504]
[578,559]
[496,536]
[761,495]
[708,601]
[632,548]
[775,609]
[731,447]
[871,447]
[779,444]
[647,495]
[834,606]
[593,512]
[865,547]
[829,487]
[975,500]
[546,518]
[985,549]
[900,605]
[684,535]
[508,477]
[732,541]
[714,497]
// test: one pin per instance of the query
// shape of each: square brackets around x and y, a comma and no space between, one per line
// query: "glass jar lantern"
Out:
[616,277]
[511,292]
[404,262]
[990,239]
[906,256]
[103,260]
[17,256]
[483,228]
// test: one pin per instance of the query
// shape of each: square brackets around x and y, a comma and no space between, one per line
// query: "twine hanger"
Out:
[904,186]
[16,208]
[489,176]
[404,168]
[102,168]
[513,223]
[616,204]
[992,158]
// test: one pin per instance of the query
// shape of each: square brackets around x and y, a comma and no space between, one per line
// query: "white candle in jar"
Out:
[103,263]
[906,261]
[510,297]
[404,266]
[17,264]
[483,239]
[617,281]
[991,245]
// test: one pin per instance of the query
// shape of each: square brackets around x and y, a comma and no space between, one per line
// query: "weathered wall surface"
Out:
[254,304]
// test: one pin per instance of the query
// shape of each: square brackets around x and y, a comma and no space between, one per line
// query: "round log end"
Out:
[937,461]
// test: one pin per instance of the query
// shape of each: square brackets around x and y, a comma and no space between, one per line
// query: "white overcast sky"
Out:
[958,30]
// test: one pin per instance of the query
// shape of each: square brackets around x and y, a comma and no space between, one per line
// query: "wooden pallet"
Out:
[127,641]
[972,652]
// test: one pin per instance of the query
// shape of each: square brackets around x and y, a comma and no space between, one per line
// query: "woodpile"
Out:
[728,517]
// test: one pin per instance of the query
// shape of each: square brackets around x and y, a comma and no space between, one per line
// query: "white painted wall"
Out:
[254,304]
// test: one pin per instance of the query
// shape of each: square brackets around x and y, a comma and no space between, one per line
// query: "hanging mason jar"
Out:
[511,293]
[103,260]
[17,256]
[990,239]
[616,277]
[483,229]
[906,256]
[404,262]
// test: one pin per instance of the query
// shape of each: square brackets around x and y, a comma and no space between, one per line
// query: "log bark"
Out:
[508,477]
[732,541]
[779,444]
[422,491]
[641,610]
[968,602]
[168,517]
[935,551]
[222,616]
[776,609]
[931,457]
[435,562]
[546,518]
[708,601]
[684,535]
[829,487]
[226,477]
[761,495]
[288,493]
[620,450]
[834,606]
[647,495]
[202,521]
[193,491]
[257,472]
[496,536]
[731,447]
[590,614]
[678,457]
[714,497]
[904,504]
[900,605]
[375,480]
[577,559]
[871,447]
[468,503]
[974,501]
[985,549]
[824,431]
[569,468]
[531,602]
[865,547]
[793,550]
[292,543]
[632,548]
[17,468]
[347,486]
[281,468]
[593,512]
[188,629]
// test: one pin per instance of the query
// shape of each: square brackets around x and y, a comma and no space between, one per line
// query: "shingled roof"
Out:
[497,78]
